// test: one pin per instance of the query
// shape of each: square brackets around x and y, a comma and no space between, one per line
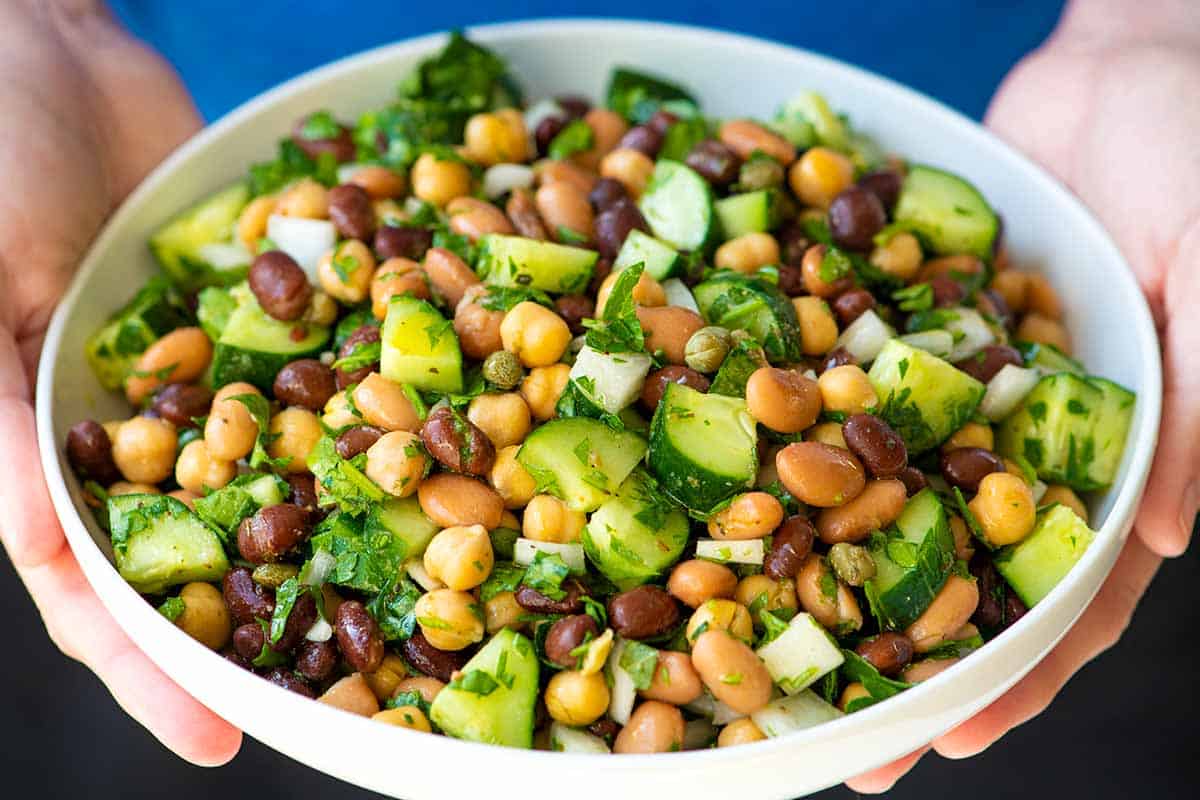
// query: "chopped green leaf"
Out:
[545,575]
[639,660]
[576,137]
[172,608]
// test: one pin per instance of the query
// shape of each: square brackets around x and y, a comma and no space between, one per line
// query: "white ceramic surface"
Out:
[732,75]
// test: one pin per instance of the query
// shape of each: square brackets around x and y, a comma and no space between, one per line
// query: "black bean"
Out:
[89,451]
[855,216]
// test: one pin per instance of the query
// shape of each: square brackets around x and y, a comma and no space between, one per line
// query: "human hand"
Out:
[87,112]
[1101,105]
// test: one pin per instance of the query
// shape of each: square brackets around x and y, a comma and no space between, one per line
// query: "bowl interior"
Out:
[1045,229]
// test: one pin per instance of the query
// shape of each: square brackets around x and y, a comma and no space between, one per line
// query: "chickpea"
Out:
[297,431]
[397,462]
[504,418]
[750,516]
[503,611]
[847,389]
[144,450]
[631,168]
[438,182]
[820,175]
[510,479]
[352,694]
[950,267]
[393,278]
[574,698]
[1043,330]
[675,680]
[197,470]
[697,581]
[830,601]
[853,691]
[387,677]
[829,433]
[547,519]
[948,612]
[740,731]
[668,328]
[535,334]
[607,129]
[1013,286]
[339,413]
[450,276]
[476,218]
[654,727]
[449,619]
[181,356]
[1041,298]
[732,671]
[972,434]
[129,487]
[497,138]
[384,404]
[111,427]
[409,717]
[818,328]
[345,272]
[563,206]
[771,595]
[900,257]
[745,138]
[646,292]
[184,496]
[551,171]
[875,507]
[1004,507]
[423,685]
[451,499]
[1064,495]
[783,400]
[748,252]
[377,181]
[542,387]
[460,557]
[306,199]
[205,616]
[252,222]
[721,614]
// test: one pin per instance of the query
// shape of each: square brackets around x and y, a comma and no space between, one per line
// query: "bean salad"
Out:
[593,427]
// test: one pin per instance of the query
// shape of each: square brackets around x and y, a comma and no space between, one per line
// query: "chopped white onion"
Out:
[305,240]
[725,551]
[321,631]
[224,255]
[1006,390]
[971,334]
[865,337]
[678,294]
[317,570]
[623,694]
[793,713]
[708,706]
[346,171]
[800,655]
[539,111]
[501,179]
[936,342]
[525,550]
[565,739]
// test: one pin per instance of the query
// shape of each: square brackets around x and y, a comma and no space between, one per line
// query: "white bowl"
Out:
[1045,227]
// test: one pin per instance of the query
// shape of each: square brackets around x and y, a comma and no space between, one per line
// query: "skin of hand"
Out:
[1105,105]
[88,111]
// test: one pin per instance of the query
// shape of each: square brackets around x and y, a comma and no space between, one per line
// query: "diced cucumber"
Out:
[158,543]
[793,713]
[937,342]
[740,363]
[912,562]
[1035,565]
[800,655]
[865,337]
[636,95]
[1006,390]
[923,397]
[580,460]
[254,346]
[807,119]
[703,447]
[266,490]
[214,306]
[678,206]
[753,305]
[660,259]
[493,700]
[678,294]
[947,212]
[623,690]
[177,244]
[727,551]
[636,534]
[113,350]
[526,550]
[305,240]
[527,263]
[1070,430]
[564,739]
[420,347]
[611,381]
[402,519]
[1048,359]
[750,212]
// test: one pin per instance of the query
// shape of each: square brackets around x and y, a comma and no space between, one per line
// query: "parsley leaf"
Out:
[576,137]
[367,558]
[505,298]
[285,600]
[320,125]
[475,681]
[918,297]
[930,320]
[393,609]
[341,480]
[505,577]
[260,408]
[640,661]
[618,330]
[290,164]
[545,575]
[172,608]
[834,265]
[773,626]
[364,354]
[857,668]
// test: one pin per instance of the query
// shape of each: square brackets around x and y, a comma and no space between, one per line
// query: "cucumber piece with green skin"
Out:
[113,350]
[178,244]
[912,561]
[402,519]
[947,212]
[703,447]
[1035,565]
[636,534]
[756,306]
[515,261]
[1070,429]
[660,260]
[214,306]
[743,359]
[493,700]
[254,346]
[807,119]
[678,206]
[1048,359]
[420,348]
[924,398]
[579,460]
[158,543]
[740,214]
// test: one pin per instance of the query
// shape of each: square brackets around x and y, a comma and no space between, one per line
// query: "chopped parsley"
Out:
[545,575]
[172,608]
[576,137]
[618,329]
[640,661]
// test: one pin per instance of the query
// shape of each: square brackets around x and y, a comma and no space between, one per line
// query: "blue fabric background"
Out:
[956,50]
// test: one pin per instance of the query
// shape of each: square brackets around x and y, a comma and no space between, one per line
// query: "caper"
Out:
[502,369]
[707,348]
[853,564]
[760,173]
[273,575]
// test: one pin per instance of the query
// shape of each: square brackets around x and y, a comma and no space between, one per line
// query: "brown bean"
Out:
[876,506]
[248,640]
[855,216]
[451,500]
[837,357]
[89,452]
[457,442]
[523,214]
[1014,608]
[654,727]
[301,618]
[674,679]
[533,600]
[351,211]
[791,280]
[303,492]
[984,365]
[642,138]
[965,467]
[851,305]
[574,106]
[306,383]
[715,162]
[317,660]
[367,334]
[948,612]
[449,274]
[884,184]
[286,679]
[358,439]
[272,532]
[613,225]
[478,328]
[989,614]
[565,635]
[880,449]
[396,242]
[358,637]
[790,545]
[606,193]
[947,292]
[656,384]
[662,120]
[668,329]
[427,659]
[546,130]
[820,474]
[642,612]
[247,600]
[340,145]
[279,285]
[914,480]
[575,308]
[784,400]
[838,611]
[888,652]
[732,671]
[697,581]
[606,728]
[181,404]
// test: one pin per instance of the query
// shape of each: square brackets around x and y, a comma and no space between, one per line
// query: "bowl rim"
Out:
[116,594]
